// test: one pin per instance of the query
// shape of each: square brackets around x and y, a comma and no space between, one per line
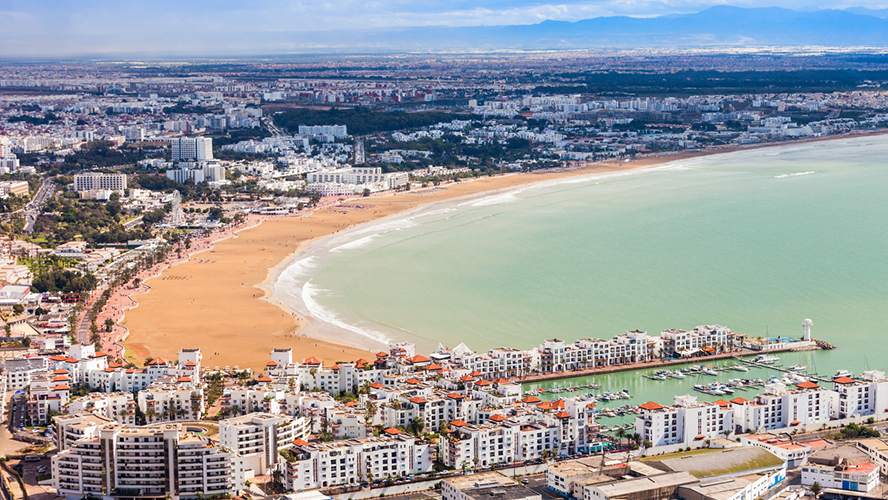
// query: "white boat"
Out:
[765,359]
[726,390]
[678,374]
[842,373]
[797,368]
[710,371]
[699,387]
[715,392]
[740,368]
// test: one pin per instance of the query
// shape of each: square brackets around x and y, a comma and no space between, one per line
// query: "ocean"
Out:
[756,240]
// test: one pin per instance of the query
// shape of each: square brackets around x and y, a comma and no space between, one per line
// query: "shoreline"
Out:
[182,330]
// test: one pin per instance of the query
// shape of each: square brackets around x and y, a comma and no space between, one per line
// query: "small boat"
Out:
[740,368]
[842,373]
[678,374]
[715,392]
[797,368]
[726,390]
[710,371]
[699,387]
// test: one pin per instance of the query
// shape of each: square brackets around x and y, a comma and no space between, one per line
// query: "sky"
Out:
[60,28]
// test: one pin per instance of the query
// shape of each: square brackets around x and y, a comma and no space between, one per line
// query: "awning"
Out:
[794,423]
[699,437]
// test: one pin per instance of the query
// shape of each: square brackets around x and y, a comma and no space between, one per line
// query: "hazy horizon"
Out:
[200,28]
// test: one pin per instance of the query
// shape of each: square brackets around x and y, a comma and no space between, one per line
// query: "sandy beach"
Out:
[221,306]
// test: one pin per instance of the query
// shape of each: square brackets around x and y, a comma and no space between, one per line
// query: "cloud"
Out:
[197,27]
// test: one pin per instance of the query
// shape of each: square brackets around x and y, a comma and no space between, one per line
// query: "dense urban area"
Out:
[112,172]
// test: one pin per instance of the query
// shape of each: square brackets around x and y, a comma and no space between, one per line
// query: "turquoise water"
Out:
[756,240]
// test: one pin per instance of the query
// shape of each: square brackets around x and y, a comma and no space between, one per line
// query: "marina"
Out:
[720,379]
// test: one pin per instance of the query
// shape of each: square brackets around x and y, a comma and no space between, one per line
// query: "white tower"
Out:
[806,325]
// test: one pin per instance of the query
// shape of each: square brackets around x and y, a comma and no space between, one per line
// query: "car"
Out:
[41,470]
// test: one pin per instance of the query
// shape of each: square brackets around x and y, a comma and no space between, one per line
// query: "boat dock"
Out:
[812,376]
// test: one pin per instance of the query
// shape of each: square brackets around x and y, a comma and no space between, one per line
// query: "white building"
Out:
[154,461]
[862,477]
[686,421]
[338,131]
[93,181]
[258,437]
[192,148]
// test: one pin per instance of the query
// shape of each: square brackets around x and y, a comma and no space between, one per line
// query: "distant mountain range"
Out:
[722,25]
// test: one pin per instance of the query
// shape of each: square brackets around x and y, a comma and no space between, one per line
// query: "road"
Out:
[32,209]
[274,129]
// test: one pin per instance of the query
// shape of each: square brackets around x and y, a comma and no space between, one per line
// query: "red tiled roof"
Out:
[60,378]
[433,367]
[334,367]
[393,431]
[58,358]
[157,361]
[265,379]
[300,442]
[99,354]
[562,414]
[454,395]
[311,361]
[482,382]
[273,363]
[60,371]
[466,378]
[458,423]
[476,373]
[413,381]
[115,365]
[531,400]
[351,404]
[109,370]
[650,405]
[497,418]
[723,403]
[546,405]
[376,385]
[844,380]
[381,354]
[61,388]
[419,359]
[183,379]
[418,401]
[807,385]
[739,401]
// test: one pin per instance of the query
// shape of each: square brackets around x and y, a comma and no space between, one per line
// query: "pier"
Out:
[784,370]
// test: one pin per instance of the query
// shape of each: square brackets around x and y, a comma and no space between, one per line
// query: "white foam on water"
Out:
[786,176]
[310,292]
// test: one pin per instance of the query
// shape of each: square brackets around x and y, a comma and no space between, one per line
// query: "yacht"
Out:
[740,368]
[797,368]
[765,359]
[678,374]
[710,371]
[842,373]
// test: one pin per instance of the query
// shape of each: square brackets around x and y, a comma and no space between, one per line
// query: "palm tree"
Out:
[621,434]
[816,489]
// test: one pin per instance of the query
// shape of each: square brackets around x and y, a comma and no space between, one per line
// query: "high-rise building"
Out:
[95,181]
[154,461]
[192,148]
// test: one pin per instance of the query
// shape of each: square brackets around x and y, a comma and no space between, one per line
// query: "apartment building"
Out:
[393,454]
[861,397]
[73,427]
[115,406]
[49,394]
[153,461]
[168,400]
[192,148]
[20,372]
[778,407]
[258,437]
[684,422]
[93,181]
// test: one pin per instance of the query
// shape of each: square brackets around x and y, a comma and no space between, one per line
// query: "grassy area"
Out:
[680,454]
